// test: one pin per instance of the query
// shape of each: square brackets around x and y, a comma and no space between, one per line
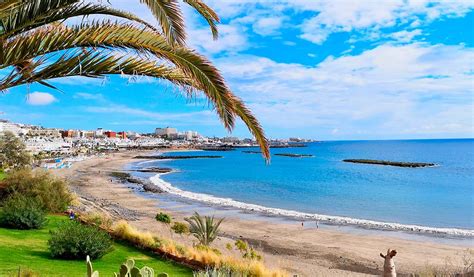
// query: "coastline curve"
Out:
[338,220]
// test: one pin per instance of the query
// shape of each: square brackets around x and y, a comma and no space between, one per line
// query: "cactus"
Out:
[90,271]
[127,269]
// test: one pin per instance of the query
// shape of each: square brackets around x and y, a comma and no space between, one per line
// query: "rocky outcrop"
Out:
[294,155]
[390,163]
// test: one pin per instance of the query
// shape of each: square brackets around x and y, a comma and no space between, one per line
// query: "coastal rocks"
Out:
[294,155]
[177,157]
[146,184]
[149,187]
[155,170]
[390,163]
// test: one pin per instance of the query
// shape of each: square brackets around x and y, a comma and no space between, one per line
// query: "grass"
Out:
[29,249]
[2,175]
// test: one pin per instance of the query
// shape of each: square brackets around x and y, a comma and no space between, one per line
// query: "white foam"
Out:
[228,202]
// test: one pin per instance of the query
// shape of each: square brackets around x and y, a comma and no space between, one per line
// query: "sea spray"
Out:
[371,224]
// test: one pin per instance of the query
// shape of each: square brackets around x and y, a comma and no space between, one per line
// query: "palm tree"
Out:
[36,46]
[204,229]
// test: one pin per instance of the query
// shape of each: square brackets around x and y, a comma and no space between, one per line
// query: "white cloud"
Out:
[405,36]
[134,115]
[40,98]
[324,17]
[393,89]
[267,25]
[231,39]
[89,96]
[344,16]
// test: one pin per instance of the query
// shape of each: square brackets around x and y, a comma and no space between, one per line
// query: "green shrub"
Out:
[21,212]
[49,190]
[247,252]
[180,228]
[162,217]
[73,240]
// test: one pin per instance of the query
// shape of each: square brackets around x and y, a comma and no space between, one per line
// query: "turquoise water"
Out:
[440,196]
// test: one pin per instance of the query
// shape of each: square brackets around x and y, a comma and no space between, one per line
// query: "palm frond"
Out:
[169,14]
[207,13]
[6,6]
[205,76]
[113,35]
[92,64]
[34,13]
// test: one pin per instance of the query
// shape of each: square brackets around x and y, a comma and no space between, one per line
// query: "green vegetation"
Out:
[72,240]
[20,212]
[2,175]
[215,272]
[13,152]
[29,249]
[247,251]
[180,228]
[52,192]
[205,229]
[162,217]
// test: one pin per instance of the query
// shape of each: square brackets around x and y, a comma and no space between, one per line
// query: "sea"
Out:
[323,188]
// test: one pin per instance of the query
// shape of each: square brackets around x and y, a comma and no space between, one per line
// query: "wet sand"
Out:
[284,244]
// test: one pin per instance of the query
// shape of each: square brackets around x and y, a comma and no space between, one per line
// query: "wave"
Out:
[339,220]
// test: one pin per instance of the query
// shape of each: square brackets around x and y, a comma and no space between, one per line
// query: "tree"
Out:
[13,154]
[36,45]
[205,229]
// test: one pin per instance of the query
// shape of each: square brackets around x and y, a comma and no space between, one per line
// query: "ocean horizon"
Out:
[435,199]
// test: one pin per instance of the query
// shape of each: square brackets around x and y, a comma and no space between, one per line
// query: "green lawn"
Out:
[29,249]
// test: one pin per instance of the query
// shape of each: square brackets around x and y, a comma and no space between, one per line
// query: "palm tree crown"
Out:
[205,229]
[36,46]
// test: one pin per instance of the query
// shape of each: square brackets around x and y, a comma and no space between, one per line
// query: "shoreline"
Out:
[303,251]
[296,215]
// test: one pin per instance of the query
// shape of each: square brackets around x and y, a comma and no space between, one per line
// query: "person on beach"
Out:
[72,215]
[317,224]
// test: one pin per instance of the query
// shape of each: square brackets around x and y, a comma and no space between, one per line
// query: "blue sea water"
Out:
[440,196]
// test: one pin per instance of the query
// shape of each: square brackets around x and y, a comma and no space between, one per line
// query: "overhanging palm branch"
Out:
[37,47]
[31,15]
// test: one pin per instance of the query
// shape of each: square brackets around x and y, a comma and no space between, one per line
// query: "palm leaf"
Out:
[168,13]
[92,64]
[121,36]
[35,13]
[207,13]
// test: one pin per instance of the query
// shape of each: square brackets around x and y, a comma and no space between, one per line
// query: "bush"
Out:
[162,217]
[22,212]
[49,190]
[125,231]
[73,240]
[180,228]
[98,219]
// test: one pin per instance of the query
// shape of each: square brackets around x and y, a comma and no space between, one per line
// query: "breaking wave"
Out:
[340,220]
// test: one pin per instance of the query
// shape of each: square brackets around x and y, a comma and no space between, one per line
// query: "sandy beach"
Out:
[301,251]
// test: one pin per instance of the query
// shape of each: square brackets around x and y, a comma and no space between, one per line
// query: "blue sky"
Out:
[332,70]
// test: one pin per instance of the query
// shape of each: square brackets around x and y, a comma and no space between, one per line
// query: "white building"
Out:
[99,133]
[168,132]
[191,135]
[7,126]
